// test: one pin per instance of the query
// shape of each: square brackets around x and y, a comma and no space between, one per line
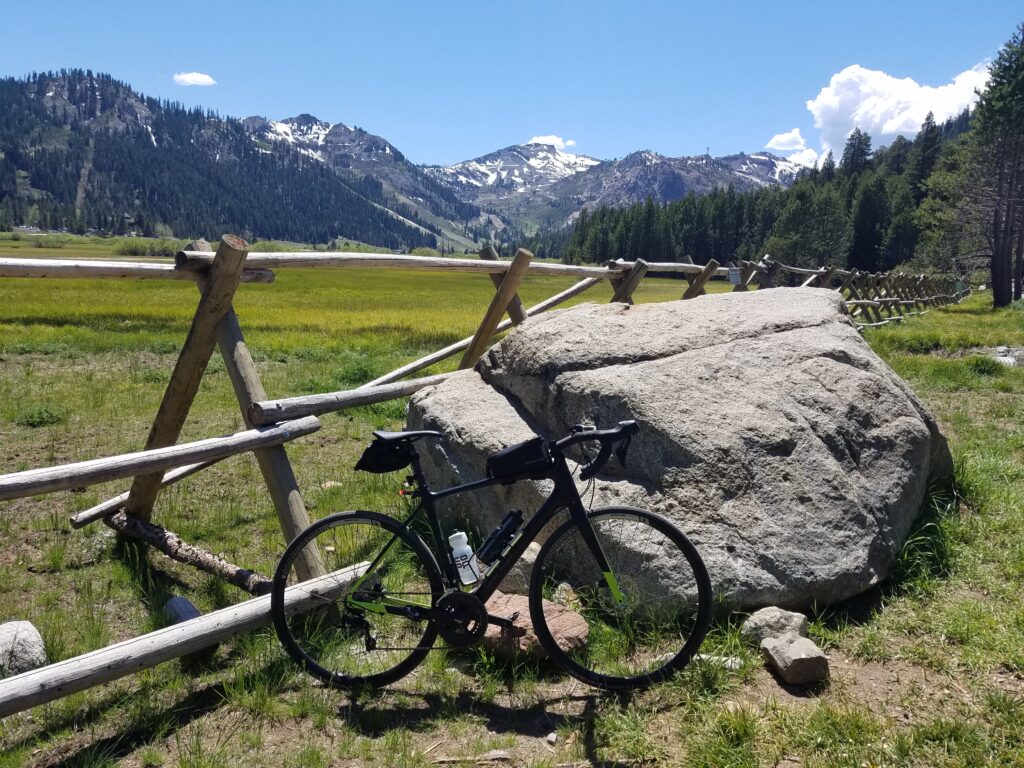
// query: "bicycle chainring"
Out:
[463,619]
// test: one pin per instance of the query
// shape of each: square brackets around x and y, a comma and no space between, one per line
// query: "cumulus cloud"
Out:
[885,106]
[193,78]
[793,141]
[557,141]
[783,142]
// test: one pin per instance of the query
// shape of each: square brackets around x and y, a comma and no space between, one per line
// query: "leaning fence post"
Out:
[509,284]
[697,281]
[214,304]
[273,462]
[629,282]
[516,313]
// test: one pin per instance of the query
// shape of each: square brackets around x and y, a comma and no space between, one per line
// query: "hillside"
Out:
[83,152]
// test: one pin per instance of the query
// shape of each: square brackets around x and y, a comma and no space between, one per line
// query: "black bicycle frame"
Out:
[563,496]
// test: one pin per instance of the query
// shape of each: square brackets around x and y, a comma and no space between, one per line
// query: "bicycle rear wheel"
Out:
[362,625]
[644,622]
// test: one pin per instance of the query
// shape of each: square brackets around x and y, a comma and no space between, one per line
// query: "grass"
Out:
[928,671]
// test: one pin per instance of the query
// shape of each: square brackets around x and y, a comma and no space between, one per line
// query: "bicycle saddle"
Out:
[392,438]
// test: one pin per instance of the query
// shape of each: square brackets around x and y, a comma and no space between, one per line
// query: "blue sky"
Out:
[449,81]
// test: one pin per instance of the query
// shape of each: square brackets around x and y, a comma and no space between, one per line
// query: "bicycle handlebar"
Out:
[608,438]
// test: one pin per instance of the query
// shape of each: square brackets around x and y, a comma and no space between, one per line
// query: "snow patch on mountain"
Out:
[521,166]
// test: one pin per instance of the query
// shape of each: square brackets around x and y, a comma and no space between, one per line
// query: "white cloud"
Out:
[557,141]
[885,106]
[806,156]
[193,78]
[783,142]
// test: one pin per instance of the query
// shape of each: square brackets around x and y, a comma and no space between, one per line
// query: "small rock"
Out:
[179,609]
[797,660]
[21,648]
[731,663]
[569,629]
[773,622]
[496,755]
[331,484]
[552,738]
[517,580]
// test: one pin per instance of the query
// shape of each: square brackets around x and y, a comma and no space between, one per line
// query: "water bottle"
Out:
[464,560]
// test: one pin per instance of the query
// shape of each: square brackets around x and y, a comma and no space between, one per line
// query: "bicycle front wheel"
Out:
[646,617]
[361,620]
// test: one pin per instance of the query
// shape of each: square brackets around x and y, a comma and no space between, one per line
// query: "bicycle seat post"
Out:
[417,473]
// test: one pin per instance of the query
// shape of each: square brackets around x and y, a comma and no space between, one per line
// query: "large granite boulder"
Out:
[794,458]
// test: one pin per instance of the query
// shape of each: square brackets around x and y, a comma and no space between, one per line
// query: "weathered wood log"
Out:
[516,313]
[629,282]
[110,506]
[176,548]
[749,269]
[684,267]
[696,287]
[30,689]
[770,273]
[198,260]
[273,460]
[502,296]
[269,411]
[33,482]
[441,354]
[132,270]
[221,283]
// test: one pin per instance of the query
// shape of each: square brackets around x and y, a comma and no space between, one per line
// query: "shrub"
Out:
[984,365]
[39,416]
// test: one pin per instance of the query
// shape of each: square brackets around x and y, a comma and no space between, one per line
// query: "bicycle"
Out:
[636,580]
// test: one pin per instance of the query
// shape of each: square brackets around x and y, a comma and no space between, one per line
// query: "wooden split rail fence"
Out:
[871,299]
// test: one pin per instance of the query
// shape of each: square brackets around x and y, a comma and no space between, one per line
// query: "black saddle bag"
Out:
[529,457]
[380,456]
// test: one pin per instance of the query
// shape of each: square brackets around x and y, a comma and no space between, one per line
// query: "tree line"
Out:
[950,200]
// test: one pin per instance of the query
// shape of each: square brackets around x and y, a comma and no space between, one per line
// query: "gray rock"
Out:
[793,457]
[797,660]
[21,648]
[179,609]
[517,580]
[729,663]
[773,622]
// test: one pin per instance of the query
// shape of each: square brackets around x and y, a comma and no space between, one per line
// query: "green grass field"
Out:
[927,671]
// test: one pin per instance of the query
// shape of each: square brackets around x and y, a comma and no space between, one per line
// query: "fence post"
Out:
[516,313]
[697,281]
[749,270]
[629,282]
[769,274]
[273,462]
[222,281]
[509,283]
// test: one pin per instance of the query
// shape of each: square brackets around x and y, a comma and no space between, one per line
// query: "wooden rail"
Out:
[136,270]
[33,482]
[30,689]
[201,260]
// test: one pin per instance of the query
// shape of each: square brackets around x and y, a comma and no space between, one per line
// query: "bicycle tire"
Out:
[664,609]
[329,650]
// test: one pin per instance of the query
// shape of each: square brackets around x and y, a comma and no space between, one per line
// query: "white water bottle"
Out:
[464,559]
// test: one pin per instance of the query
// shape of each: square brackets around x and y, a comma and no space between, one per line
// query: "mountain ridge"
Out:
[359,184]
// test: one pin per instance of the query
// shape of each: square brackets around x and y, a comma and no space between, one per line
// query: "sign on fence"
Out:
[735,275]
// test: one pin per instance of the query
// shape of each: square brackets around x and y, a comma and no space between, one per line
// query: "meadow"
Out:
[927,670]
